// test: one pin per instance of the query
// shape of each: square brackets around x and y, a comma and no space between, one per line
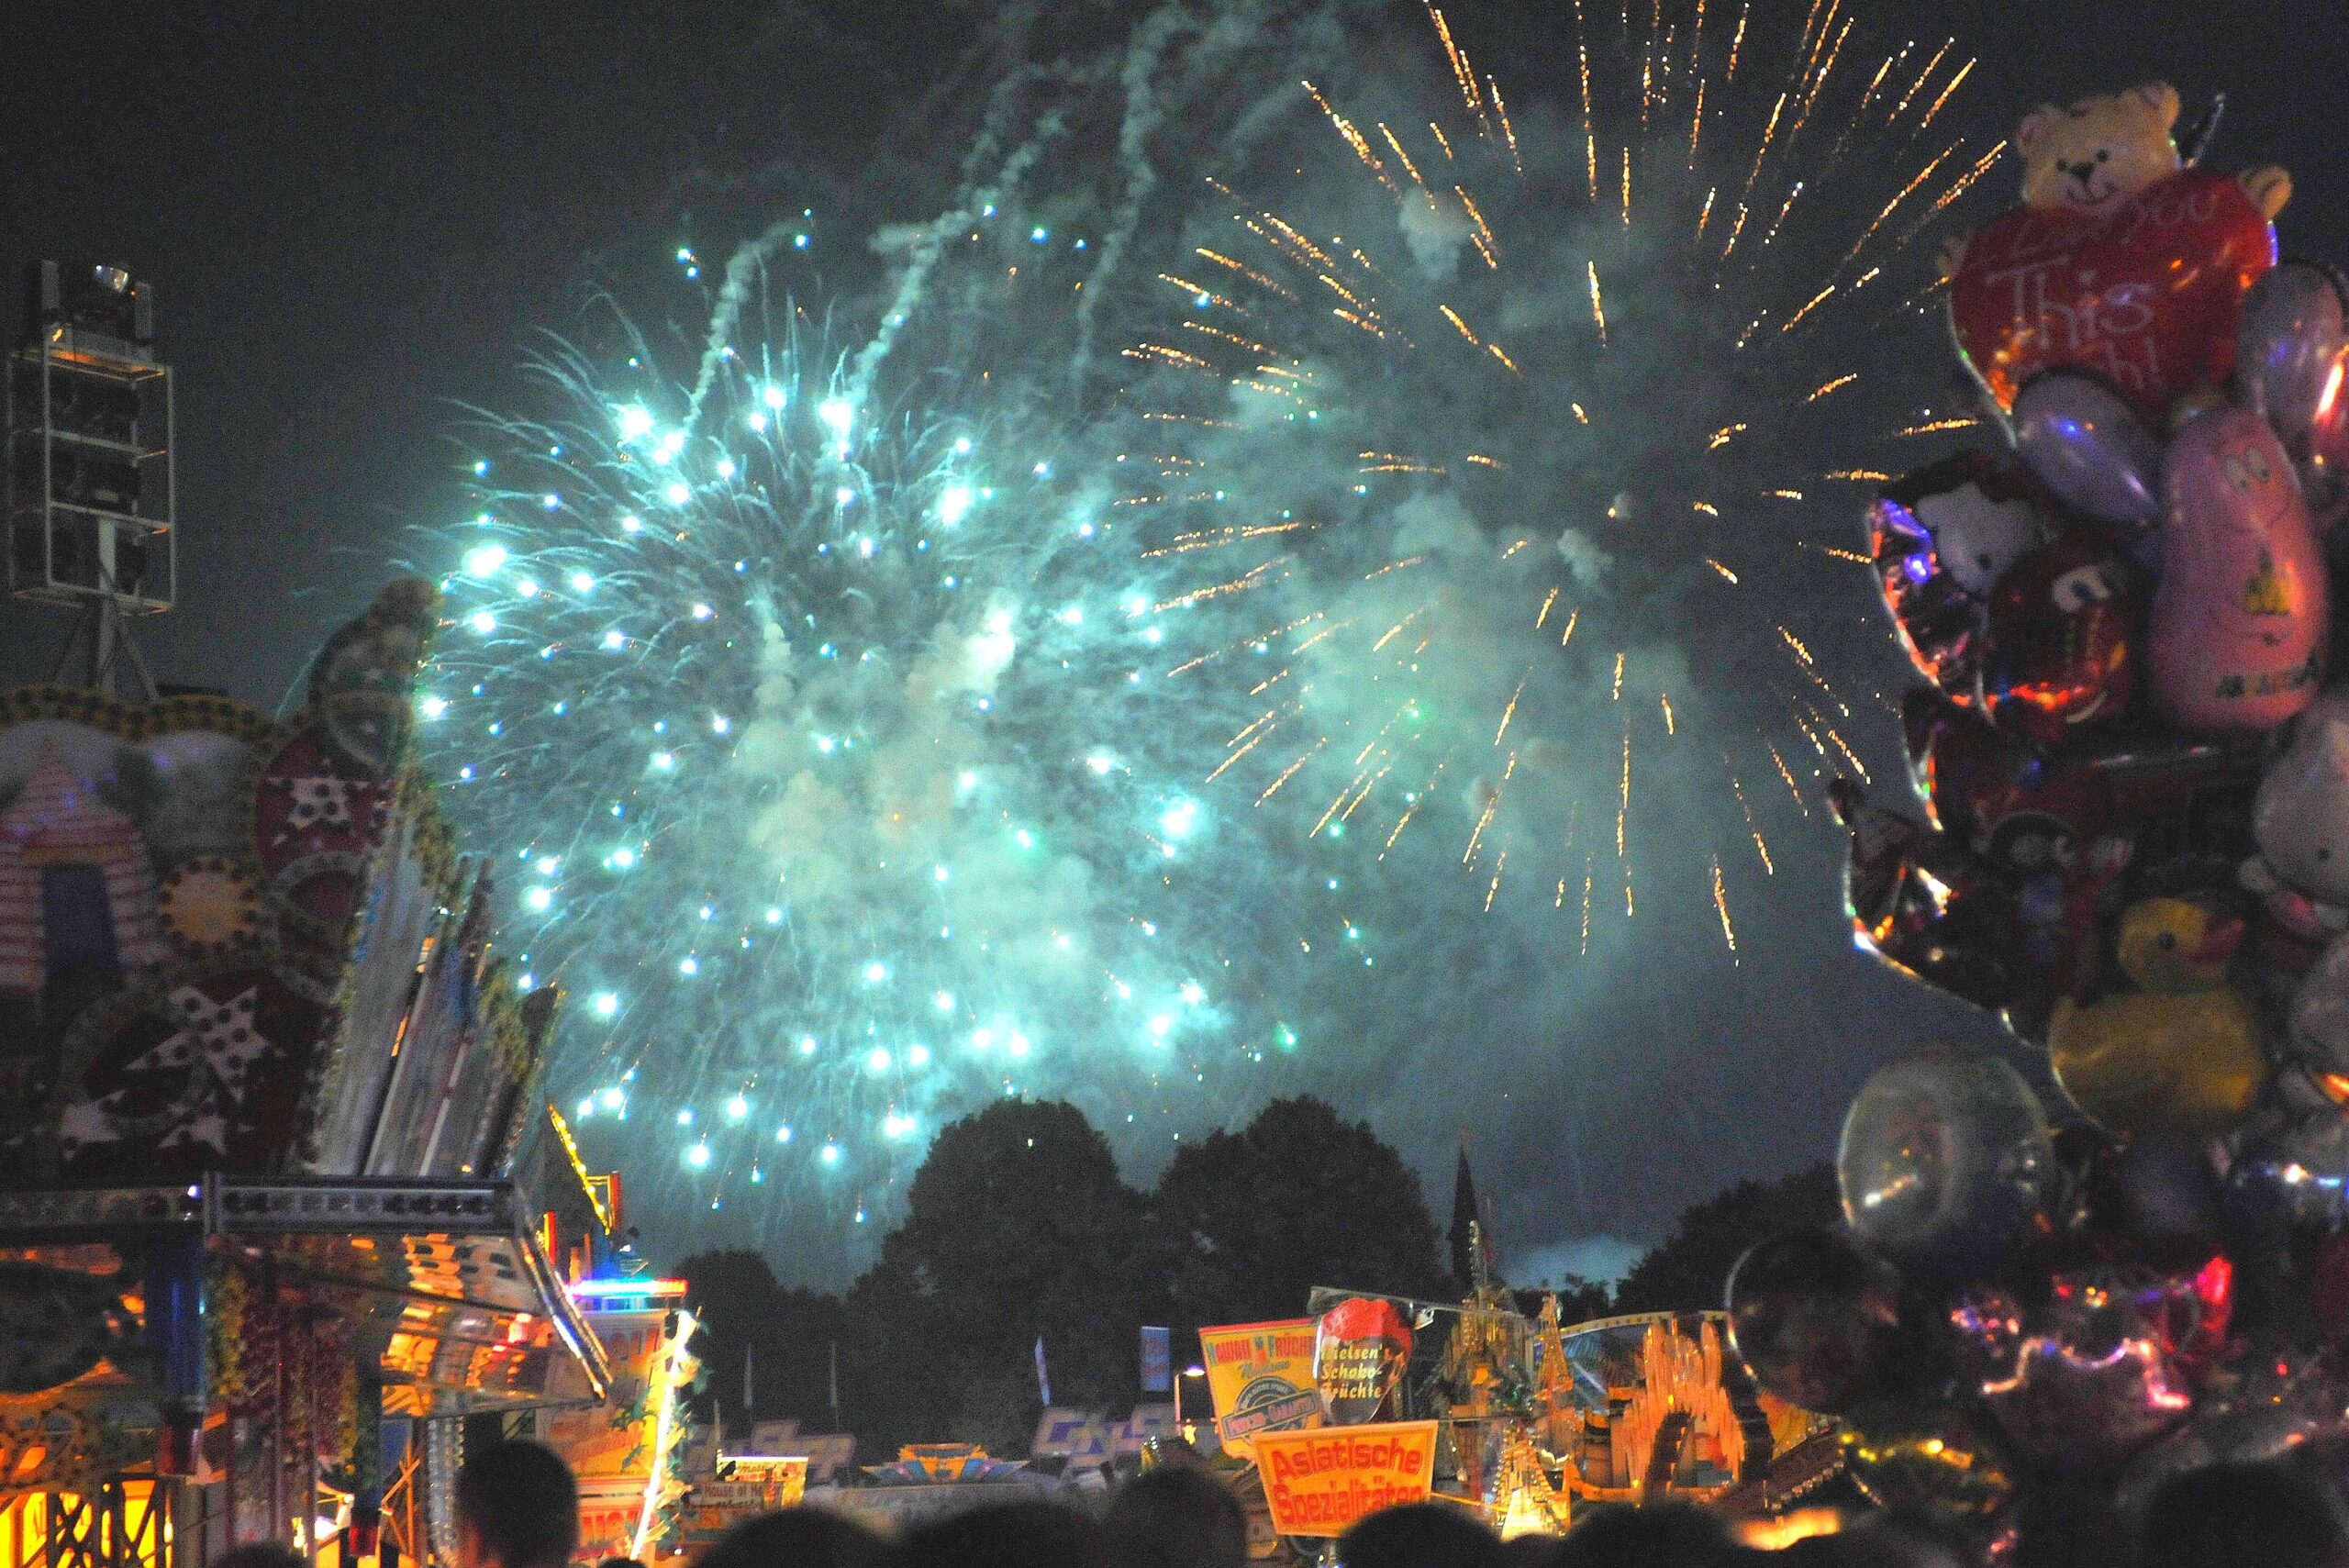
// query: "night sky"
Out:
[356,216]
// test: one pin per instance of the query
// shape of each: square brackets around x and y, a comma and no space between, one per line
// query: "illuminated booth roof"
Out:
[449,1277]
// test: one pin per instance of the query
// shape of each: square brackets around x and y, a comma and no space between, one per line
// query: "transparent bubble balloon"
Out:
[1945,1164]
[1817,1322]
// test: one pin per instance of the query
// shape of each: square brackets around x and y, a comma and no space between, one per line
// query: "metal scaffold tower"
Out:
[89,479]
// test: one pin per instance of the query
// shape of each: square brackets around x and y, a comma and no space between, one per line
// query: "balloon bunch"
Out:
[2133,846]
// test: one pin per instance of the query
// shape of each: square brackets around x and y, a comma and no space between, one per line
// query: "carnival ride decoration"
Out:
[267,1120]
[628,1450]
[1532,1416]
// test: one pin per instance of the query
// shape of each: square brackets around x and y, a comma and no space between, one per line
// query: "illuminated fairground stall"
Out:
[280,1204]
[629,1450]
[1370,1400]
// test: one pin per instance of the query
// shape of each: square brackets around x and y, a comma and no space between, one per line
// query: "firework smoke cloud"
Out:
[782,779]
[1445,584]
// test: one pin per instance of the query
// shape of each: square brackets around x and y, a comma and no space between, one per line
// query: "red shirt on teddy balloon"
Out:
[2119,261]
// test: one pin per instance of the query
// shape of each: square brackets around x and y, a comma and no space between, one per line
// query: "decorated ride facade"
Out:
[1371,1400]
[270,1135]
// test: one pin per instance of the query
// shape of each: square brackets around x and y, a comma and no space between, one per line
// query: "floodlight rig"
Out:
[89,483]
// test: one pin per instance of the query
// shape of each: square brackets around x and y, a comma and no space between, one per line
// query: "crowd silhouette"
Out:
[518,1507]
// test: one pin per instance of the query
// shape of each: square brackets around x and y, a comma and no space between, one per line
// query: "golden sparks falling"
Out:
[1762,107]
[1721,903]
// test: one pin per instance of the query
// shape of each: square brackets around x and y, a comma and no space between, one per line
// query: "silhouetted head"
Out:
[1530,1551]
[1661,1535]
[259,1554]
[1177,1516]
[516,1507]
[2226,1515]
[1010,1535]
[1420,1535]
[795,1537]
[1871,1544]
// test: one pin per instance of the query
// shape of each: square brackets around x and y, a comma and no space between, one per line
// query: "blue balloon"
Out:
[2297,1177]
[2289,349]
[1945,1164]
[2087,445]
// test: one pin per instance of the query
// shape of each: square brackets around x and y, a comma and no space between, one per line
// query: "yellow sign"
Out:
[1319,1483]
[616,1439]
[781,1479]
[1261,1378]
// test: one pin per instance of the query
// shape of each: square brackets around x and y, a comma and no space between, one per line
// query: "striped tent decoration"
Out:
[57,826]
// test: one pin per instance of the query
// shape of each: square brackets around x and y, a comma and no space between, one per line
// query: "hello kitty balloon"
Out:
[2243,616]
[2301,820]
[1940,538]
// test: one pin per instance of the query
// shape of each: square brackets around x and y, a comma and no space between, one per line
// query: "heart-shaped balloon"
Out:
[2147,296]
[2094,1377]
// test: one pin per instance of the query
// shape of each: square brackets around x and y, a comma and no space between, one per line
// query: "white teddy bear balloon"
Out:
[2318,1041]
[1978,537]
[2301,820]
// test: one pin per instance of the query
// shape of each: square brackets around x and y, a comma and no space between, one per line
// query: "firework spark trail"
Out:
[922,254]
[1761,845]
[1648,379]
[1720,903]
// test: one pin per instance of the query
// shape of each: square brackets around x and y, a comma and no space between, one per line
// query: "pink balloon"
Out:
[2243,612]
[2324,471]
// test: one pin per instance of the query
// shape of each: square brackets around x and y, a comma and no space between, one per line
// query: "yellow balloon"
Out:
[2180,1053]
[2179,1063]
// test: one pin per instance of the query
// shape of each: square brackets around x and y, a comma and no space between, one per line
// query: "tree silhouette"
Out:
[1017,1226]
[788,1335]
[1689,1269]
[1296,1198]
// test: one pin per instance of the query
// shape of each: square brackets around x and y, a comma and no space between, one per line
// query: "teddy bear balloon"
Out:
[2120,260]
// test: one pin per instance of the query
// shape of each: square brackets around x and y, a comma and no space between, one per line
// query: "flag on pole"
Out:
[1157,1360]
[1043,1384]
